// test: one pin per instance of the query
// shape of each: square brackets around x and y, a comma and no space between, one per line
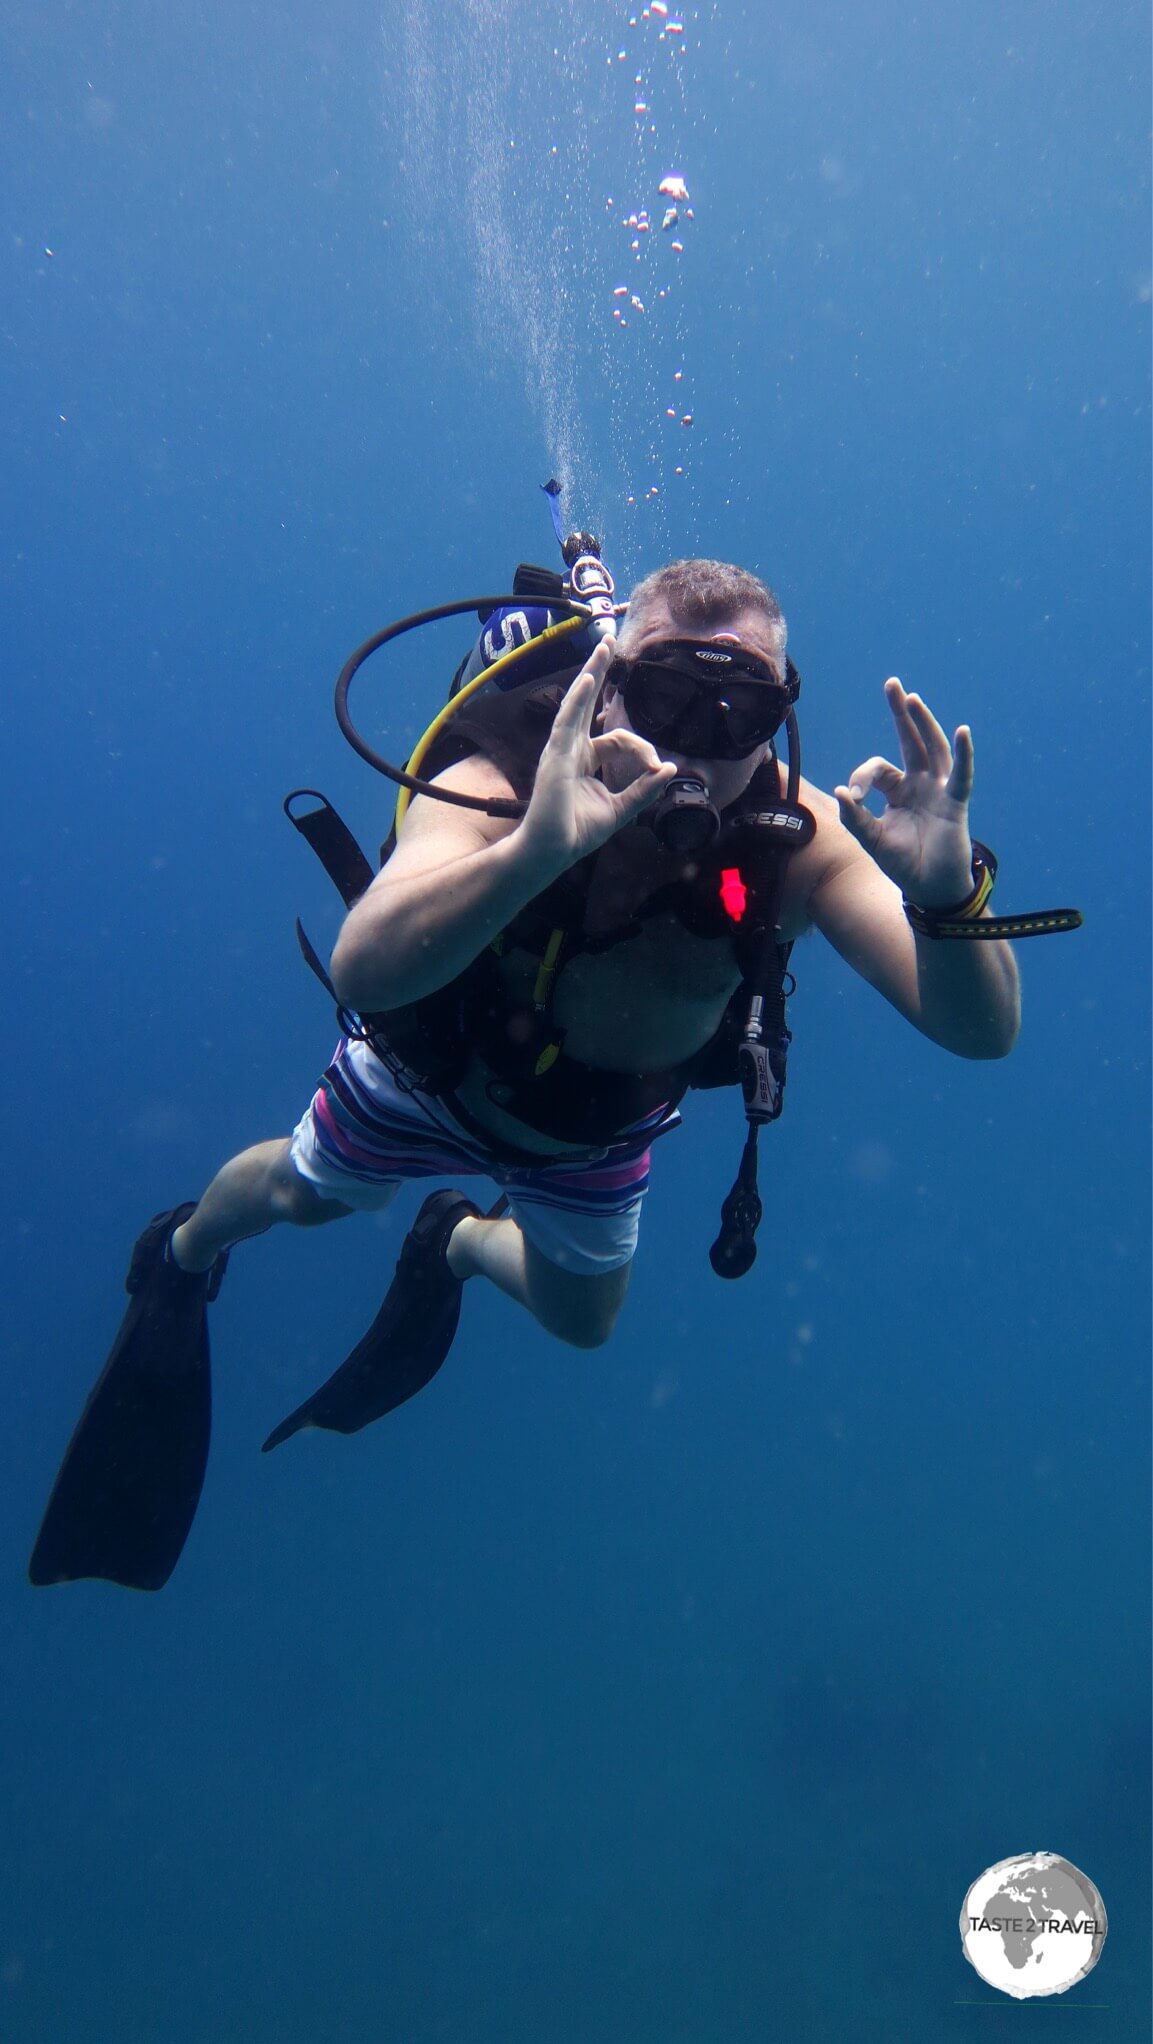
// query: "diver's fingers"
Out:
[573,720]
[960,782]
[622,755]
[931,735]
[911,740]
[642,791]
[876,773]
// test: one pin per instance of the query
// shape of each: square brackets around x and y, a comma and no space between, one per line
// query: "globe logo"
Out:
[1033,1925]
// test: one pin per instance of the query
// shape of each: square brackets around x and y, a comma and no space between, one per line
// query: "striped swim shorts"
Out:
[365,1134]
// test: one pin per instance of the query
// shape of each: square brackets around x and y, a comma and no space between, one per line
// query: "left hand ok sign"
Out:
[921,839]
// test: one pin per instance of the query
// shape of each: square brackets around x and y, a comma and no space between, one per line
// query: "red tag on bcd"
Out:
[734,893]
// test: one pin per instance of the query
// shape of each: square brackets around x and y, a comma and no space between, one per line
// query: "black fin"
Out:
[407,1342]
[123,1503]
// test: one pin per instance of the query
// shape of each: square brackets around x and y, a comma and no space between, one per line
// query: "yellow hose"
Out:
[568,624]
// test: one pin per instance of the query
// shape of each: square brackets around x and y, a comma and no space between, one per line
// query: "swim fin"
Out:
[123,1504]
[407,1342]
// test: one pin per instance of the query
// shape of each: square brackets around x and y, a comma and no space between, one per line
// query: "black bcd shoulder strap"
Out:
[342,859]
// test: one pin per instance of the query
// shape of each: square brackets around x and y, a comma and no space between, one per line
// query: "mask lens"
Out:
[753,712]
[708,714]
[658,698]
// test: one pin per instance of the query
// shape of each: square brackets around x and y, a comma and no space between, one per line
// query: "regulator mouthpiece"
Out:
[684,818]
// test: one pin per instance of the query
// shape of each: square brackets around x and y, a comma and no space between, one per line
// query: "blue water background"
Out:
[675,1692]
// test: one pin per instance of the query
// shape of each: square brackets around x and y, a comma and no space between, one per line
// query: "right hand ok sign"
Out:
[573,812]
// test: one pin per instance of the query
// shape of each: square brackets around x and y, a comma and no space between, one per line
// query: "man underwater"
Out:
[541,993]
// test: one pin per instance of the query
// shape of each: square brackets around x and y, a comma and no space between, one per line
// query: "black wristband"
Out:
[927,921]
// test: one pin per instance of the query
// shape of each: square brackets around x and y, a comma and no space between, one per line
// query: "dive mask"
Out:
[702,699]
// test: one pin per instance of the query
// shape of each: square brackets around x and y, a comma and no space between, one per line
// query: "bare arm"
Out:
[965,996]
[457,877]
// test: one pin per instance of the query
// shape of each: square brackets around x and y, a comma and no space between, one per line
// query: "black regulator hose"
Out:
[480,606]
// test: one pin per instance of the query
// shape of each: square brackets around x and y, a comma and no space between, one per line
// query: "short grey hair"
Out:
[703,593]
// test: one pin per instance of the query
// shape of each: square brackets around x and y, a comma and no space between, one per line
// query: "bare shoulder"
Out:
[830,852]
[434,834]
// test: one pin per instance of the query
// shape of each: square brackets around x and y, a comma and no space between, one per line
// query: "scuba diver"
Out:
[586,909]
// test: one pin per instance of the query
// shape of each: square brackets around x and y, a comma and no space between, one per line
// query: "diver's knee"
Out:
[581,1311]
[293,1199]
[591,1332]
